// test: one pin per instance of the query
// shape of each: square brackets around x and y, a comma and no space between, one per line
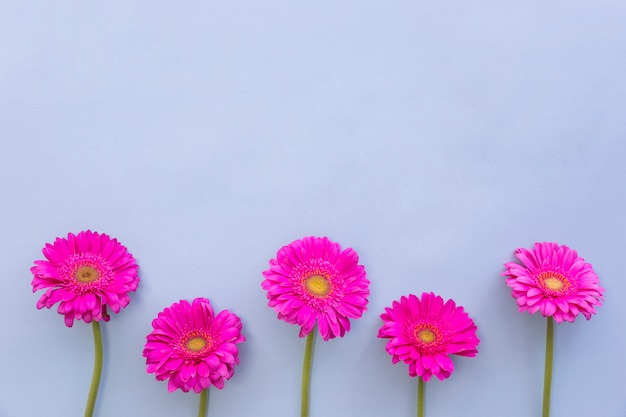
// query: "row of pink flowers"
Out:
[311,282]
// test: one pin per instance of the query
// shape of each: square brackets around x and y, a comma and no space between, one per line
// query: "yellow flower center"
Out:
[553,283]
[426,335]
[317,285]
[196,344]
[86,274]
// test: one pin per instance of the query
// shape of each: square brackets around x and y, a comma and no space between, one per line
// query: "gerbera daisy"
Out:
[192,347]
[424,332]
[85,273]
[553,279]
[313,281]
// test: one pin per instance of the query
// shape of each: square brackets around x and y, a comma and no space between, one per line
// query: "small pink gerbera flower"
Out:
[422,333]
[313,280]
[193,347]
[85,273]
[555,280]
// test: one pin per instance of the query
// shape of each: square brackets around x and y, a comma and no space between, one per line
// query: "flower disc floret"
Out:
[424,332]
[311,281]
[192,347]
[85,273]
[553,279]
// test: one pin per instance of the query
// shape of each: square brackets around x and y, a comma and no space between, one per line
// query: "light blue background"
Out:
[434,138]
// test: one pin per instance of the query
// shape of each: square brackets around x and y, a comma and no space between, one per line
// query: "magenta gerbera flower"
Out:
[192,346]
[424,332]
[85,273]
[313,280]
[555,280]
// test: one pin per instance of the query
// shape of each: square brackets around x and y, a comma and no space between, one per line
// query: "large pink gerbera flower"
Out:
[555,280]
[85,273]
[193,347]
[422,333]
[313,280]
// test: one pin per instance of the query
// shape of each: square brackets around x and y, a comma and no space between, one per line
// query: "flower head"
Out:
[313,280]
[85,273]
[192,346]
[555,280]
[423,332]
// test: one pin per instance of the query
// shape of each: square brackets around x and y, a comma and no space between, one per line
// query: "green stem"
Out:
[306,373]
[204,403]
[97,369]
[547,376]
[420,397]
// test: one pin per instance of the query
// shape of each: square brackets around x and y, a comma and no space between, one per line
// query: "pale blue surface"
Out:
[434,138]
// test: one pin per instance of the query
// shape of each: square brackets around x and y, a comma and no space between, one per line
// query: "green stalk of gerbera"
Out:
[547,375]
[420,397]
[306,374]
[97,369]
[204,403]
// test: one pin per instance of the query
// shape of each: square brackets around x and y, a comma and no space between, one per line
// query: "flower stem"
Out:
[204,403]
[547,376]
[420,397]
[97,369]
[306,373]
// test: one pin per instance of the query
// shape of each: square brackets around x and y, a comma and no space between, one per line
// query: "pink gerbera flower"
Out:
[193,347]
[313,280]
[555,280]
[424,332]
[85,273]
